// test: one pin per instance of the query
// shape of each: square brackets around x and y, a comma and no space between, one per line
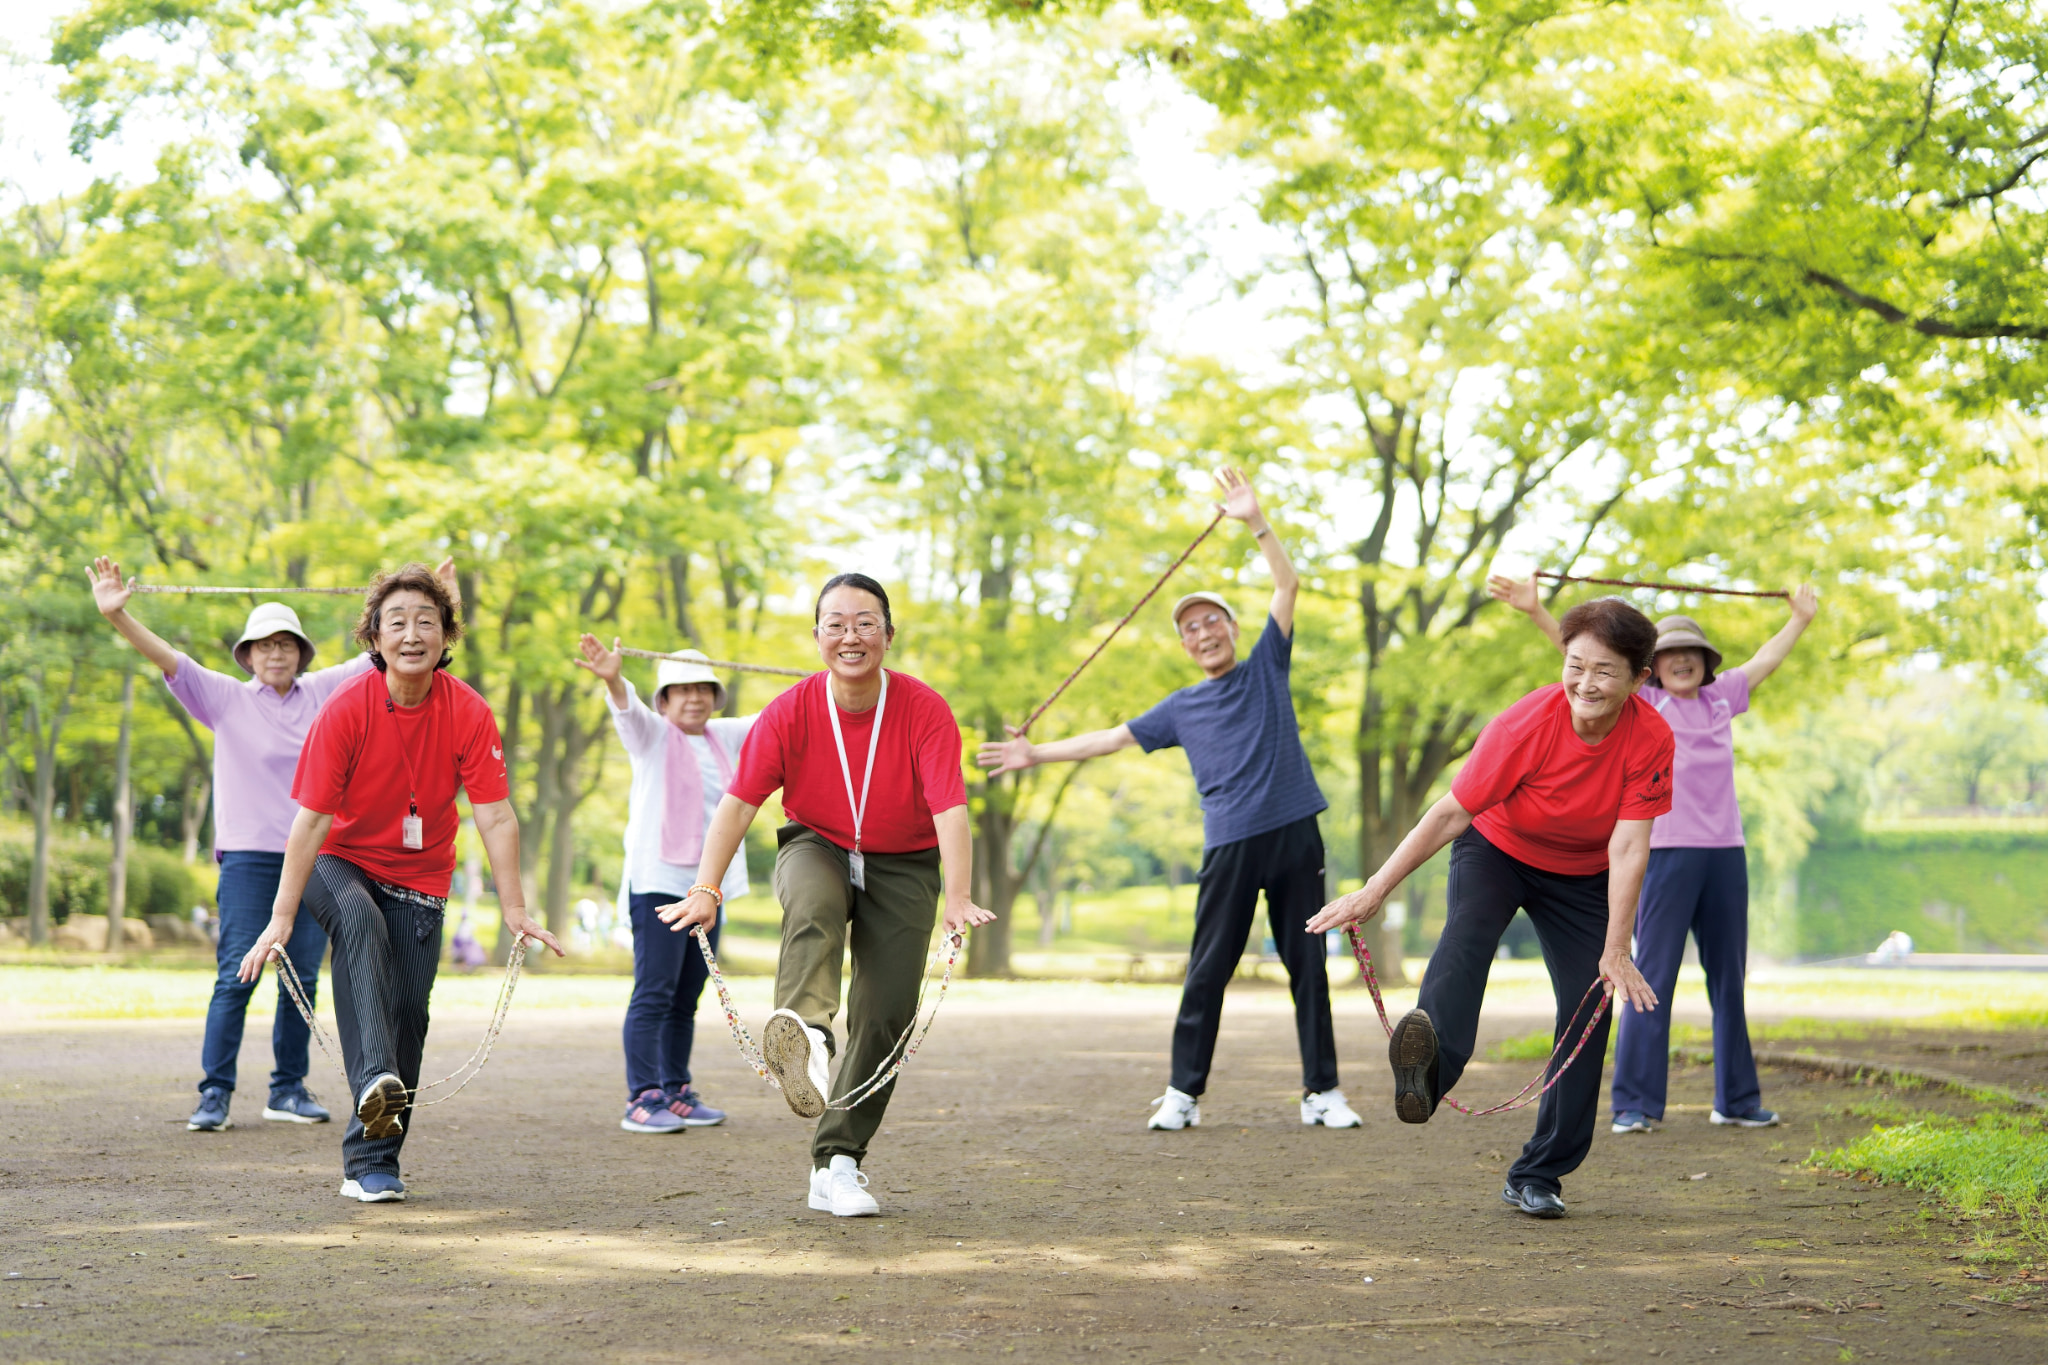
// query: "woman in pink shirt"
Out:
[1698,877]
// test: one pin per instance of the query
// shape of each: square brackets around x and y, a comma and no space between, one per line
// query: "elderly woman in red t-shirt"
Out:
[1551,814]
[868,762]
[372,851]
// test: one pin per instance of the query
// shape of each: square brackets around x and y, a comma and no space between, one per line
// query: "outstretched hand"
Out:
[1007,756]
[1520,595]
[605,663]
[1354,907]
[1805,603]
[109,592]
[1618,969]
[967,915]
[1240,501]
[445,571]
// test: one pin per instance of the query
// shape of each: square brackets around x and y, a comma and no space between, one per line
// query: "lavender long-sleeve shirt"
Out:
[257,736]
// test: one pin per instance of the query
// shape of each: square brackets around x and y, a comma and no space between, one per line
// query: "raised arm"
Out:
[607,664]
[1440,824]
[1805,605]
[1017,753]
[1241,503]
[110,593]
[1524,598]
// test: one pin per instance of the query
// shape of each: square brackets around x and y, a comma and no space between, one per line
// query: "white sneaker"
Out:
[1176,1111]
[1329,1108]
[795,1053]
[840,1189]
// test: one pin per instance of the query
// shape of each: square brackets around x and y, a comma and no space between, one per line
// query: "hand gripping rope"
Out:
[462,1075]
[1659,587]
[1552,1069]
[906,1045]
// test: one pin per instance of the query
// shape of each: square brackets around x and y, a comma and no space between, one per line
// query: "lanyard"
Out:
[411,832]
[867,778]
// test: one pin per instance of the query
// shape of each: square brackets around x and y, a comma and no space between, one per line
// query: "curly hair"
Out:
[1617,625]
[417,578]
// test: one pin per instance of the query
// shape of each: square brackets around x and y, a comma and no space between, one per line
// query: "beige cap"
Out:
[1193,597]
[1682,632]
[688,666]
[267,620]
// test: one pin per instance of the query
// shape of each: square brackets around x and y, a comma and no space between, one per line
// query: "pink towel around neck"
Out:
[682,816]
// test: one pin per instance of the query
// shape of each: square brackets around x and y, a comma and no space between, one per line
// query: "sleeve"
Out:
[207,695]
[639,728]
[480,753]
[1496,766]
[325,760]
[1733,688]
[761,766]
[1646,782]
[324,682]
[935,749]
[1275,648]
[1158,728]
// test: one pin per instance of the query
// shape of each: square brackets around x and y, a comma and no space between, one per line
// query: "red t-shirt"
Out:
[917,764]
[355,768]
[1541,794]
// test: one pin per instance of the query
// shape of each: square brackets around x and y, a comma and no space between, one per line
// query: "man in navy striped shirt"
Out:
[1259,808]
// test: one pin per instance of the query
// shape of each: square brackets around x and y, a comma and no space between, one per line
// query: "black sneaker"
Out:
[1412,1051]
[212,1114]
[1537,1203]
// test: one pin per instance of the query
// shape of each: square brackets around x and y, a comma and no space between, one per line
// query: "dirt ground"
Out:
[1027,1214]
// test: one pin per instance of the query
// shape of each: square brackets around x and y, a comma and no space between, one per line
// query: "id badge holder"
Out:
[413,832]
[857,869]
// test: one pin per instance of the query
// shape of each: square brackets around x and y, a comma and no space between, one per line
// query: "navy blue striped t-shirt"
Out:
[1243,743]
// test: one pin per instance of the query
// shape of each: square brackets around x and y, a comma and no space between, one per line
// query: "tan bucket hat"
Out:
[1209,597]
[689,666]
[267,620]
[1682,632]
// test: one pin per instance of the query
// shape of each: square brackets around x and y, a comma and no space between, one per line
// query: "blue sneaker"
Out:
[295,1105]
[378,1187]
[1762,1118]
[687,1105]
[648,1113]
[212,1114]
[1628,1121]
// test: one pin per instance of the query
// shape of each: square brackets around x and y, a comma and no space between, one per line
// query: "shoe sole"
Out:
[1410,1051]
[631,1127]
[786,1049]
[1723,1121]
[287,1116]
[1308,1121]
[386,1197]
[220,1127]
[379,1110]
[704,1123]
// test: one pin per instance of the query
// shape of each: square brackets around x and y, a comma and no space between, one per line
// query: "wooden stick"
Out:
[725,664]
[1659,587]
[199,589]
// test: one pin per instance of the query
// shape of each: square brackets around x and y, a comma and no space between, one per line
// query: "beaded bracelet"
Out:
[715,894]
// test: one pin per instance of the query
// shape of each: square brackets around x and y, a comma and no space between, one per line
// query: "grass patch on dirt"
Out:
[1985,1161]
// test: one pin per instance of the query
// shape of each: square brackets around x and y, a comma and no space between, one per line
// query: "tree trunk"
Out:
[43,744]
[124,814]
[192,803]
[1048,897]
[10,786]
[988,951]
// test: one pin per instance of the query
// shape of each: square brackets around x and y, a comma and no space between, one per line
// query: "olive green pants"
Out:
[889,924]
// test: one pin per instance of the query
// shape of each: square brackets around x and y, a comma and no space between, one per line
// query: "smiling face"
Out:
[409,634]
[274,660]
[1209,636]
[852,633]
[1682,671]
[1597,683]
[687,706]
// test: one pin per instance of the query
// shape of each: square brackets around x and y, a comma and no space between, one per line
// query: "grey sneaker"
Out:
[295,1105]
[648,1113]
[212,1114]
[1762,1118]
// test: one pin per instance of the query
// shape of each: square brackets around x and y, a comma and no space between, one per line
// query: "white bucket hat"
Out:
[1208,597]
[267,620]
[689,666]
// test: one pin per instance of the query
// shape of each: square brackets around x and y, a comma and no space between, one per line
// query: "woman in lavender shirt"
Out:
[259,724]
[1698,878]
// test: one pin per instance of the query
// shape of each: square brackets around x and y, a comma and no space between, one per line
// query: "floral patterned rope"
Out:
[462,1075]
[898,1056]
[1553,1070]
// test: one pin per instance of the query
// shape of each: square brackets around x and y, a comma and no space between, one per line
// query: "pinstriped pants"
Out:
[385,955]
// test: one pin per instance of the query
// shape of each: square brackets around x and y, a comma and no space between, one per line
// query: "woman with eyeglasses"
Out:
[1551,814]
[868,763]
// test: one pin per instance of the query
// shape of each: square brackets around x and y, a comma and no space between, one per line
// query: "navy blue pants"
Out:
[248,886]
[668,980]
[1704,892]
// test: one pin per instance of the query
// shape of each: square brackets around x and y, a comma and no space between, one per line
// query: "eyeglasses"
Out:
[1194,626]
[867,628]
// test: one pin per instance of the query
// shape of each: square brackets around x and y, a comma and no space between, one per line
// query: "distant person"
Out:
[1698,877]
[868,763]
[1259,831]
[1551,814]
[684,756]
[259,724]
[372,851]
